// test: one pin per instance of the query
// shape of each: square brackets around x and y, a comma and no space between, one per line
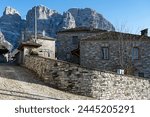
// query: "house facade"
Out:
[68,41]
[47,48]
[43,46]
[111,51]
[25,48]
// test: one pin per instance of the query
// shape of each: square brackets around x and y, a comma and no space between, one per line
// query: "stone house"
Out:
[47,48]
[25,48]
[67,43]
[114,50]
[43,46]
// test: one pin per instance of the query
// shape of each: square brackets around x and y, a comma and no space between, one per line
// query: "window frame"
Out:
[137,57]
[68,56]
[105,57]
[141,74]
[75,40]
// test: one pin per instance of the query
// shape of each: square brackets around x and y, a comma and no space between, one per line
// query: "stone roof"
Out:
[82,29]
[31,36]
[43,37]
[115,36]
[29,44]
[47,38]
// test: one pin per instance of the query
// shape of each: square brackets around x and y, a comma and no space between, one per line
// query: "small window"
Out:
[135,53]
[141,74]
[68,56]
[105,53]
[74,39]
[49,54]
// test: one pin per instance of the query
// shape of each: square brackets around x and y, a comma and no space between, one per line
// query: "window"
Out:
[49,54]
[135,53]
[68,56]
[45,52]
[141,74]
[74,39]
[105,53]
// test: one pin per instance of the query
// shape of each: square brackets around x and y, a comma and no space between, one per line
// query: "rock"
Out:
[10,11]
[52,22]
[4,42]
[11,23]
[55,22]
[68,21]
[43,15]
[90,18]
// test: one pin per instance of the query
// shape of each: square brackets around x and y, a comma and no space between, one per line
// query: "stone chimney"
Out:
[144,32]
[43,33]
[22,36]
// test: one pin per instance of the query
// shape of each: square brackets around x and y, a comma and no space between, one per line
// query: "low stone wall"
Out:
[76,79]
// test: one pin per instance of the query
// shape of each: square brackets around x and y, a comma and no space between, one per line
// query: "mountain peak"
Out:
[42,11]
[87,17]
[10,11]
[49,20]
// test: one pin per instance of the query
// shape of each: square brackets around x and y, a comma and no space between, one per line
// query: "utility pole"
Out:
[35,26]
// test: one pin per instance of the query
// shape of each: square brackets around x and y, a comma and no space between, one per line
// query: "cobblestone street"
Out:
[17,83]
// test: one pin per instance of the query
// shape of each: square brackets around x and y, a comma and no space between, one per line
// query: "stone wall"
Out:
[91,55]
[65,44]
[47,49]
[89,82]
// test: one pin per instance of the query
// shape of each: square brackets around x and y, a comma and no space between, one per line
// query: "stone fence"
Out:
[88,82]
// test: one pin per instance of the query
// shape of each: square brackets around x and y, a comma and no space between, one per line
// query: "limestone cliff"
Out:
[11,23]
[4,42]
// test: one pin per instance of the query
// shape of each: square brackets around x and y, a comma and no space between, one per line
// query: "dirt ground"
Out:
[18,83]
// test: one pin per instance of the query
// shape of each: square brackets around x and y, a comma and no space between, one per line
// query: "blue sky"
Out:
[130,15]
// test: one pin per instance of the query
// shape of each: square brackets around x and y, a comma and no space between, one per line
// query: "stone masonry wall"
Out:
[91,55]
[65,45]
[89,82]
[47,49]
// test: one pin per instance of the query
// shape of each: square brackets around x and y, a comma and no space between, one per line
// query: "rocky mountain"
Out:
[90,18]
[11,23]
[4,42]
[43,17]
[68,21]
[49,20]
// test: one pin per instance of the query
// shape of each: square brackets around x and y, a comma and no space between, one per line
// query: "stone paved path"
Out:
[19,83]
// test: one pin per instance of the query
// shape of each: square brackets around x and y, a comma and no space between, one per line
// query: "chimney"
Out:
[144,32]
[43,33]
[22,39]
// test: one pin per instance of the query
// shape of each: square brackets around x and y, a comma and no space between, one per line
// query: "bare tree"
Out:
[125,46]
